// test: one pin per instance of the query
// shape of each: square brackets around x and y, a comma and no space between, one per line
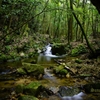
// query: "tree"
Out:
[70,24]
[83,33]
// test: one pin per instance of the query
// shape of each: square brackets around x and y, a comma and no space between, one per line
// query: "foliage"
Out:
[3,57]
[21,71]
[80,49]
[63,72]
[31,89]
[60,70]
[57,69]
[23,21]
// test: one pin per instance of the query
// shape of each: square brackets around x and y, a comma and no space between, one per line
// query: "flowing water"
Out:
[53,81]
[47,56]
[7,82]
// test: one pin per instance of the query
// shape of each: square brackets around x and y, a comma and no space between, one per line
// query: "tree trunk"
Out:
[88,44]
[70,24]
[70,20]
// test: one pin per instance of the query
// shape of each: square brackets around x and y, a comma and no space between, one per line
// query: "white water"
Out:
[47,55]
[78,96]
[48,51]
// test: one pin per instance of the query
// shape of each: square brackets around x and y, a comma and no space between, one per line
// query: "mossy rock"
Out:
[68,91]
[63,72]
[80,49]
[32,88]
[21,71]
[27,97]
[58,49]
[58,68]
[33,69]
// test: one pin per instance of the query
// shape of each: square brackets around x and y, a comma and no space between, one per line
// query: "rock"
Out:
[21,71]
[60,70]
[40,76]
[31,69]
[32,88]
[22,54]
[70,93]
[58,49]
[68,75]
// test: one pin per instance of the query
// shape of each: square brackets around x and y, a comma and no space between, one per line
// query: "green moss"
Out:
[27,97]
[80,49]
[32,88]
[21,71]
[58,68]
[33,69]
[63,72]
[3,57]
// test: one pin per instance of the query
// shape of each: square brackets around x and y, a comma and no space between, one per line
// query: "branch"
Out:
[25,22]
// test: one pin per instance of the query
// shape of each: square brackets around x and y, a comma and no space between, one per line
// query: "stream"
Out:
[64,88]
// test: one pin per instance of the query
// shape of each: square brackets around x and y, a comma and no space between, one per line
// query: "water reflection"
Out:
[42,59]
[47,56]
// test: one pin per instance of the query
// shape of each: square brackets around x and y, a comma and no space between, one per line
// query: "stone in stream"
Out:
[70,93]
[31,69]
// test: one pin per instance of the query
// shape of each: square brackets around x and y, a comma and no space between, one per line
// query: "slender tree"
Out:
[83,32]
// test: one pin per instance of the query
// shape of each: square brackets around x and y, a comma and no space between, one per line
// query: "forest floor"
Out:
[89,68]
[85,69]
[84,66]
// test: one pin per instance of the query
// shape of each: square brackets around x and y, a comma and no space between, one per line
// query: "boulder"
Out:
[31,69]
[32,88]
[60,70]
[58,49]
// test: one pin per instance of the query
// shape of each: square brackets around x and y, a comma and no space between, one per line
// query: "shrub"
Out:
[80,49]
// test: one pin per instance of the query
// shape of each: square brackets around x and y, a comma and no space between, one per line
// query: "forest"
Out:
[49,50]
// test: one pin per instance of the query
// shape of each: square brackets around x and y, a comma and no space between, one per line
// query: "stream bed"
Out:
[64,88]
[7,82]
